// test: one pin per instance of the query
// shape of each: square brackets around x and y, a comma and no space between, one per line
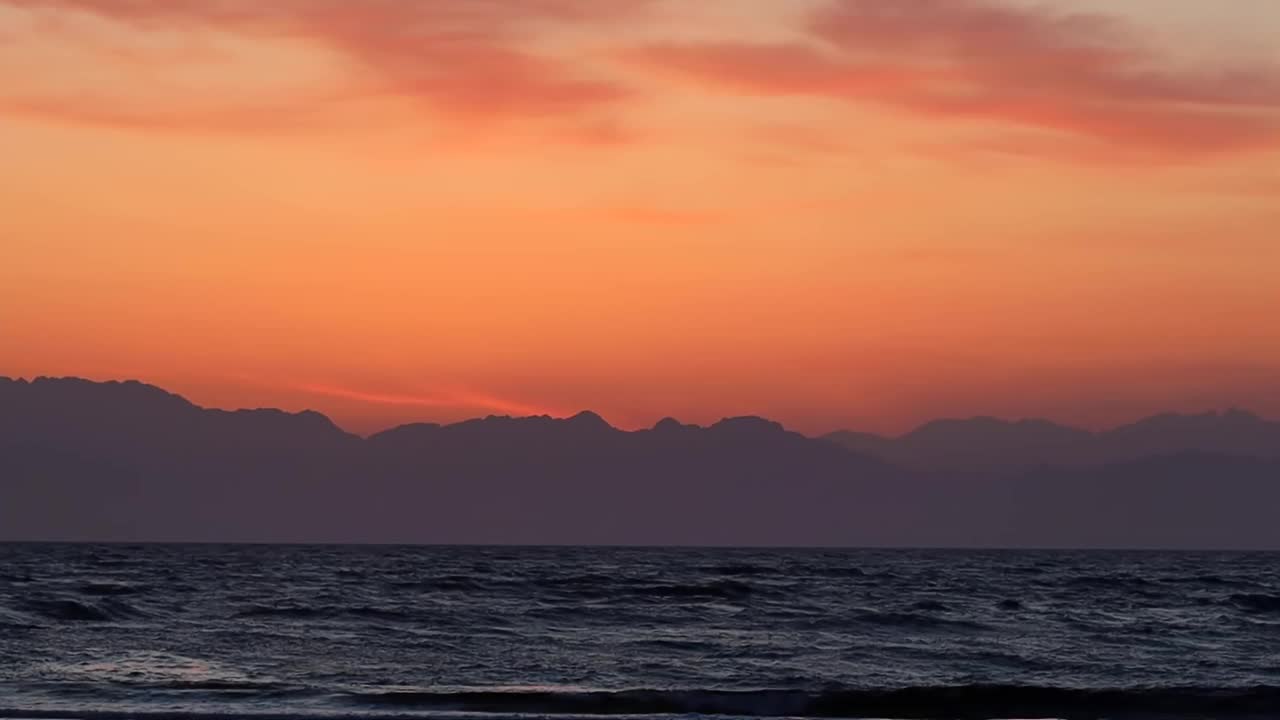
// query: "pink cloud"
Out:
[452,399]
[464,58]
[283,115]
[1084,75]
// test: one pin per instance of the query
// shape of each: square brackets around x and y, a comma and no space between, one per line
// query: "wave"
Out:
[990,701]
[443,583]
[592,586]
[112,562]
[720,590]
[66,610]
[106,589]
[839,571]
[292,612]
[676,644]
[1207,580]
[915,620]
[1257,602]
[258,689]
[910,703]
[1109,581]
[723,582]
[298,612]
[604,588]
[740,570]
[14,621]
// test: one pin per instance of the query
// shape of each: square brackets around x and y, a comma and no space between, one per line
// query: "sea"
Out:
[286,631]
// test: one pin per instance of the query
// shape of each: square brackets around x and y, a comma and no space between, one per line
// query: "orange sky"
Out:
[836,213]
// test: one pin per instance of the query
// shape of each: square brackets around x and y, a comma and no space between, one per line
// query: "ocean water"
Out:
[311,631]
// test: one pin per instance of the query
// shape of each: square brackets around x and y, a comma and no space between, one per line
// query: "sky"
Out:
[835,213]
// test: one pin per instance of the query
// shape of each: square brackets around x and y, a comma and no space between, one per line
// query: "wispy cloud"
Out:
[470,59]
[459,399]
[1088,76]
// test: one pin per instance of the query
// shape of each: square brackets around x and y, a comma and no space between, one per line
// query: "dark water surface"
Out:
[269,631]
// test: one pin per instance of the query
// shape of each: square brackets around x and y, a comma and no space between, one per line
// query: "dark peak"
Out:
[316,419]
[984,425]
[134,389]
[670,424]
[406,431]
[307,418]
[1171,417]
[492,420]
[853,434]
[1039,427]
[584,419]
[1038,423]
[473,424]
[259,411]
[1237,415]
[1190,421]
[860,441]
[748,424]
[413,426]
[588,419]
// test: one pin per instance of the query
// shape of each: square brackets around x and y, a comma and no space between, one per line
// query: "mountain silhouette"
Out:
[83,460]
[989,444]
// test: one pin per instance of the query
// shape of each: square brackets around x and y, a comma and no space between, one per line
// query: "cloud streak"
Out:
[452,399]
[1087,76]
[468,59]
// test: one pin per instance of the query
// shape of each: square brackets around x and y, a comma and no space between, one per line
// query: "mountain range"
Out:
[126,461]
[992,444]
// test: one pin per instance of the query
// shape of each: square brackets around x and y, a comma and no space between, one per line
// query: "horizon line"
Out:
[1215,412]
[653,546]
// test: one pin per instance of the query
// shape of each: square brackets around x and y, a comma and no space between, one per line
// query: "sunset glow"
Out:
[834,213]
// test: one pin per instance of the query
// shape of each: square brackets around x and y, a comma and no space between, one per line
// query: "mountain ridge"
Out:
[589,416]
[125,461]
[992,444]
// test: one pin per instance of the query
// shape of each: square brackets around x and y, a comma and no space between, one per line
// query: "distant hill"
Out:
[987,444]
[83,460]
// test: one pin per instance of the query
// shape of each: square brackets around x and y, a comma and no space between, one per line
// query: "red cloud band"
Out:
[1080,74]
[461,57]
